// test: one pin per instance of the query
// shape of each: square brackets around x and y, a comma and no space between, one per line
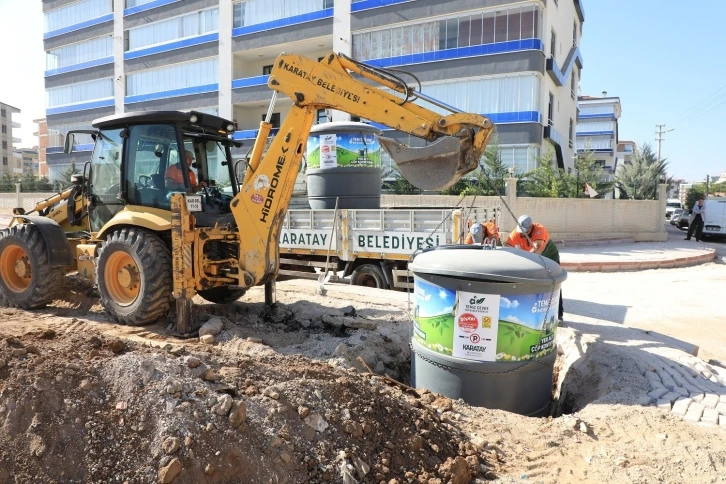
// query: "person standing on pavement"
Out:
[698,217]
[534,238]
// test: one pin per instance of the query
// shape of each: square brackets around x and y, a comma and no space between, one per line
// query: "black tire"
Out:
[222,295]
[154,276]
[45,282]
[369,275]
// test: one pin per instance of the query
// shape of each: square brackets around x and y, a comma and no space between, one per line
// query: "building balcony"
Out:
[144,5]
[81,25]
[173,45]
[16,125]
[595,133]
[557,141]
[561,75]
[595,145]
[358,5]
[70,108]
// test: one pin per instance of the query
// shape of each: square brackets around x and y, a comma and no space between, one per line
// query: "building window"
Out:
[190,25]
[573,84]
[473,29]
[136,3]
[322,116]
[574,34]
[79,92]
[57,134]
[5,145]
[5,161]
[252,12]
[572,133]
[79,52]
[551,110]
[76,12]
[267,70]
[274,120]
[5,129]
[553,44]
[171,77]
[3,113]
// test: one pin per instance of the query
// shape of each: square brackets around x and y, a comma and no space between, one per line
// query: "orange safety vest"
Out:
[175,173]
[538,233]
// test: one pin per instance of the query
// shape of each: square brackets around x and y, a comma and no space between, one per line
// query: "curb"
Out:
[593,242]
[640,265]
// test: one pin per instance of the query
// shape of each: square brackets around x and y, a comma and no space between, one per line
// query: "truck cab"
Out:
[671,205]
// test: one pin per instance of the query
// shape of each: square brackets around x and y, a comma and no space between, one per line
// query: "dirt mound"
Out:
[79,408]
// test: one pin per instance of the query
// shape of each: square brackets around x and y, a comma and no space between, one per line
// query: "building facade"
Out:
[517,62]
[42,135]
[597,131]
[7,140]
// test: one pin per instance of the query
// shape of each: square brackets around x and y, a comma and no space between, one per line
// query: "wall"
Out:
[565,218]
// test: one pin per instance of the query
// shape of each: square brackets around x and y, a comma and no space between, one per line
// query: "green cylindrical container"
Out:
[344,163]
[484,326]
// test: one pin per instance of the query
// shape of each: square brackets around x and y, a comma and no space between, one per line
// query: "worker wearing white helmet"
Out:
[483,233]
[533,237]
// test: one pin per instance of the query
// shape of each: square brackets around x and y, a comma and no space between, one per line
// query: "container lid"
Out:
[344,127]
[472,262]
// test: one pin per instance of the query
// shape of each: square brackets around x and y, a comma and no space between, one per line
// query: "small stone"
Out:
[348,311]
[250,390]
[207,339]
[170,471]
[303,411]
[188,441]
[237,414]
[209,375]
[341,350]
[271,393]
[317,422]
[661,436]
[361,467]
[117,346]
[32,349]
[252,339]
[122,406]
[353,428]
[223,406]
[18,352]
[2,363]
[213,327]
[442,404]
[622,462]
[170,445]
[286,457]
[193,362]
[209,469]
[583,427]
[86,385]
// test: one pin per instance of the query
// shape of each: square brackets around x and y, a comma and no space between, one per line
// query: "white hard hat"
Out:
[476,232]
[523,224]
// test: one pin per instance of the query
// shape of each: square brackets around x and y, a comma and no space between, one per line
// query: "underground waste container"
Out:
[484,324]
[344,163]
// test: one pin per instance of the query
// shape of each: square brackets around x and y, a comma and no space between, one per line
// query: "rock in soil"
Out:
[212,327]
[169,472]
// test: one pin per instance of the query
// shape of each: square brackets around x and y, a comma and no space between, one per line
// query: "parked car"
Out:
[683,220]
[676,215]
[671,205]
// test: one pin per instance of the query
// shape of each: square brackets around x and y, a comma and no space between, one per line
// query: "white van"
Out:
[715,223]
[671,205]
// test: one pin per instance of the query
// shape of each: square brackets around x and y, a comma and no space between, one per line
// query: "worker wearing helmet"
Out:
[533,237]
[480,233]
[175,172]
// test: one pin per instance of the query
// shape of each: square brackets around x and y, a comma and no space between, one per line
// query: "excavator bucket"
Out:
[434,167]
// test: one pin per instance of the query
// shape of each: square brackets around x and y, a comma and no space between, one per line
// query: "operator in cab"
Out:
[175,172]
[533,237]
[483,233]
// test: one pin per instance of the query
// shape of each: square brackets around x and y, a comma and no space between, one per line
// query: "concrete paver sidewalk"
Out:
[635,256]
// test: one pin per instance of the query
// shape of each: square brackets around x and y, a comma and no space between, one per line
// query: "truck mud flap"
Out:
[56,242]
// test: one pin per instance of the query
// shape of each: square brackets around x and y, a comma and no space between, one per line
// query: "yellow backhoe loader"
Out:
[150,221]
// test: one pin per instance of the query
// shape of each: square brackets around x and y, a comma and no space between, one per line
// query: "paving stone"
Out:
[680,407]
[692,416]
[644,401]
[710,401]
[671,397]
[682,391]
[651,375]
[657,384]
[664,405]
[710,415]
[656,394]
[697,397]
[723,398]
[722,420]
[721,408]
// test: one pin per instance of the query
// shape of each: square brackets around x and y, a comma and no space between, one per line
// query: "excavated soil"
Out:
[305,392]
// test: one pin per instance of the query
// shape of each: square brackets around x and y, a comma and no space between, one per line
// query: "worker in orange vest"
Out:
[480,233]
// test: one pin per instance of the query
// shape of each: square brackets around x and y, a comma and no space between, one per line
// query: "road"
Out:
[675,235]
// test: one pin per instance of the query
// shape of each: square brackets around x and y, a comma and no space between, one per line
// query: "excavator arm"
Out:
[261,204]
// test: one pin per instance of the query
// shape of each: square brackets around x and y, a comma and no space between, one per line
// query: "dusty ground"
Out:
[282,397]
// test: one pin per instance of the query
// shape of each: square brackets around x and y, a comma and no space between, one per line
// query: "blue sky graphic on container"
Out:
[433,300]
[526,309]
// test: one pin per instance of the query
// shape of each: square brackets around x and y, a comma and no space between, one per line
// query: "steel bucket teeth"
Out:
[434,167]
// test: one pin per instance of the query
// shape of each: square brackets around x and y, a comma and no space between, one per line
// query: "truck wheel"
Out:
[221,295]
[26,279]
[369,275]
[133,274]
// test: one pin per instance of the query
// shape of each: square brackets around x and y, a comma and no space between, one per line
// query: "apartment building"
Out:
[597,130]
[42,135]
[7,140]
[517,62]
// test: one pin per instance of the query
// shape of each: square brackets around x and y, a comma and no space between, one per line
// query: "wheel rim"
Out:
[121,278]
[15,268]
[366,280]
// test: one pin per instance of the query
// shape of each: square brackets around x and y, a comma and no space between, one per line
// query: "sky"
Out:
[662,58]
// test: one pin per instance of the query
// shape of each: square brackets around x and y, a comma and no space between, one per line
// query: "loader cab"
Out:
[140,159]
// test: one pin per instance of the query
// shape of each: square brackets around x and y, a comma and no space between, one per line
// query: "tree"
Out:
[694,193]
[400,185]
[544,181]
[489,179]
[586,171]
[64,180]
[639,180]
